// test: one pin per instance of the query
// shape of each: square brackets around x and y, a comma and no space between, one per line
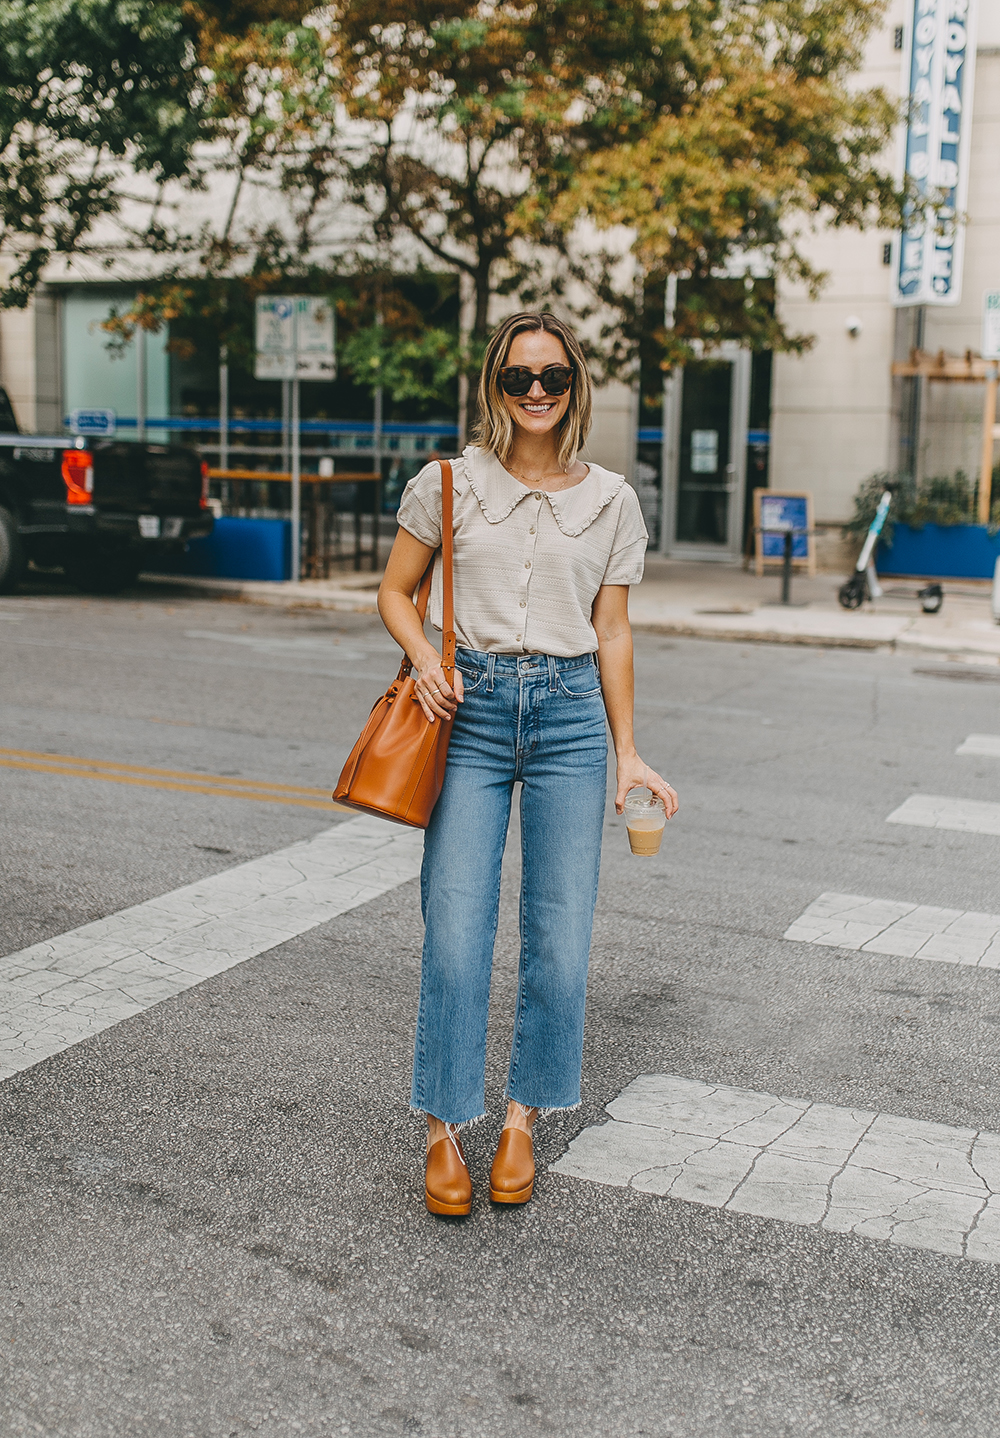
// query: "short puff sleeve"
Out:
[420,507]
[628,550]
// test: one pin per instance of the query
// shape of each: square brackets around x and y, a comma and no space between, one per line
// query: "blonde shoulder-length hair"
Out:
[494,428]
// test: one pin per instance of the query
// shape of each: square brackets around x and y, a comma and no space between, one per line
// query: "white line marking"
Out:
[882,926]
[70,987]
[934,811]
[921,1185]
[981,744]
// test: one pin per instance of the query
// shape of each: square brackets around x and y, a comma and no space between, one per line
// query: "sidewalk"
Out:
[712,601]
[724,601]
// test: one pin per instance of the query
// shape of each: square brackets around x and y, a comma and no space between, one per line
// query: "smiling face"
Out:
[537,412]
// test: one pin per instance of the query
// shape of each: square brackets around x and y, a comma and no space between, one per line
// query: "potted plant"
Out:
[931,530]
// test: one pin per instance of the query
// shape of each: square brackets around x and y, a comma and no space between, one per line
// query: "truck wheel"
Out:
[12,558]
[102,573]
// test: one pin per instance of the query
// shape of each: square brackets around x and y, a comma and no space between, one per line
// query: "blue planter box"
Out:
[960,551]
[238,549]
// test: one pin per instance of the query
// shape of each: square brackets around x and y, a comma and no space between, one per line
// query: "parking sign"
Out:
[295,338]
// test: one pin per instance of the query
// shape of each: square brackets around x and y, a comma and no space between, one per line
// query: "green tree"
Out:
[711,132]
[92,93]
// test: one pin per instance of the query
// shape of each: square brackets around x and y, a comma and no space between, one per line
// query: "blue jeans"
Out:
[539,721]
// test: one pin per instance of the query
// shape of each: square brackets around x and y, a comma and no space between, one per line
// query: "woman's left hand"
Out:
[633,773]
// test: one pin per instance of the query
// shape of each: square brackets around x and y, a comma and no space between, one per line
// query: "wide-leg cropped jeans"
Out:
[537,720]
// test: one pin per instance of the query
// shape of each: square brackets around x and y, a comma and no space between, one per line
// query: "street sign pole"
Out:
[140,384]
[296,340]
[224,407]
[296,485]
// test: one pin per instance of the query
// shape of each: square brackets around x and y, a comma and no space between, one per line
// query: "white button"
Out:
[528,564]
[523,605]
[531,530]
[536,496]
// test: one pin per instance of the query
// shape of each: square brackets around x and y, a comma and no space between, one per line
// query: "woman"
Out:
[545,548]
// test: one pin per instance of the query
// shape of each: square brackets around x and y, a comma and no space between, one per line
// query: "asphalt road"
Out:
[212,1220]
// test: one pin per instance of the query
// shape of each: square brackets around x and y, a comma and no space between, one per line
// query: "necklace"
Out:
[538,484]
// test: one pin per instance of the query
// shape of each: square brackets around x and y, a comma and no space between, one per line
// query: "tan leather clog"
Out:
[512,1177]
[448,1187]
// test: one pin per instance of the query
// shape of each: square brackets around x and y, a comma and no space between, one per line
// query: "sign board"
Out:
[98,422]
[275,337]
[775,512]
[315,338]
[941,60]
[295,338]
[991,325]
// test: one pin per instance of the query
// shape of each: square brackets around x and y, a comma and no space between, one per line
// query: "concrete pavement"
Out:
[716,601]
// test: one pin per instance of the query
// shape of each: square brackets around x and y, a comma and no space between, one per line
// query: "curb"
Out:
[763,636]
[272,594]
[352,599]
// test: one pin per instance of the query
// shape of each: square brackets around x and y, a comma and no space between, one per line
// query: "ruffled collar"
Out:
[574,510]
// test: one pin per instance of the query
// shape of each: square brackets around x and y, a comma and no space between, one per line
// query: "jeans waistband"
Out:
[522,663]
[521,666]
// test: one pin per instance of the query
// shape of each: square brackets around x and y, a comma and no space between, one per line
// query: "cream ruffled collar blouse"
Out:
[528,563]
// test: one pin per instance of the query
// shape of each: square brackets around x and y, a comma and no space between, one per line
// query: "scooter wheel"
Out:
[931,598]
[852,594]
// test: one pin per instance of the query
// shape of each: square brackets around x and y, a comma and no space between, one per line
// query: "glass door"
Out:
[704,472]
[705,434]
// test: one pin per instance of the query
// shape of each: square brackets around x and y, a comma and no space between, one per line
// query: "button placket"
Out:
[530,540]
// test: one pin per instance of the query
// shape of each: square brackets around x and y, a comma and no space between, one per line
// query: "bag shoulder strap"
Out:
[447,572]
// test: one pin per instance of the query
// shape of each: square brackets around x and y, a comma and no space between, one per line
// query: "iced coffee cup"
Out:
[645,817]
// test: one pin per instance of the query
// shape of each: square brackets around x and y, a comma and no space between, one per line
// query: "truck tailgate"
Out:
[147,479]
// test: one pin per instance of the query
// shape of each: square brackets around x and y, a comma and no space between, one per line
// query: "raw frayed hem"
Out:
[560,1108]
[545,1112]
[455,1127]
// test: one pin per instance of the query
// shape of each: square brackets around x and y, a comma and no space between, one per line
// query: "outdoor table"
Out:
[359,479]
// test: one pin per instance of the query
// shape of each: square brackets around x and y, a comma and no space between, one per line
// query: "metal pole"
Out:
[668,447]
[466,318]
[296,484]
[986,467]
[786,570]
[377,432]
[224,408]
[285,455]
[140,384]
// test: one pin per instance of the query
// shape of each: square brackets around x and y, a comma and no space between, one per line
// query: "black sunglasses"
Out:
[517,379]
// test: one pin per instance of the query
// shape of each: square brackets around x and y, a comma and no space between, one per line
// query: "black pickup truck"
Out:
[100,511]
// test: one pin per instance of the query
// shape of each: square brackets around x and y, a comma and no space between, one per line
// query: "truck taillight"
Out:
[204,484]
[78,476]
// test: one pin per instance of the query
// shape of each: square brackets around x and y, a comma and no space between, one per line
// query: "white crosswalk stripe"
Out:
[65,989]
[935,811]
[918,1184]
[888,926]
[988,744]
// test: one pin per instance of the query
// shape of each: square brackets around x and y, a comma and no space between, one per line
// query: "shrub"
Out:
[942,499]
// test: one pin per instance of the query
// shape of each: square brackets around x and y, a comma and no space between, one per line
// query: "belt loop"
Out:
[491,664]
[553,682]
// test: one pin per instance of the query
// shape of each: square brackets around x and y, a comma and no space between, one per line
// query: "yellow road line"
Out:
[218,789]
[56,760]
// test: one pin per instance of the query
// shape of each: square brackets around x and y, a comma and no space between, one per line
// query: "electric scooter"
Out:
[863,583]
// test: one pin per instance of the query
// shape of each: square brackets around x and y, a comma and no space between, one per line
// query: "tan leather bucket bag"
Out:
[396,769]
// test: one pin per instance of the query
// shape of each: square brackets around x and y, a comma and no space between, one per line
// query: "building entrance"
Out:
[707,408]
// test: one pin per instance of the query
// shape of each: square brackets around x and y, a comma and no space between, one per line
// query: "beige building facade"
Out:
[837,414]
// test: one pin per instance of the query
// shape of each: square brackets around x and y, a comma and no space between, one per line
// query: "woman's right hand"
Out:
[438,698]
